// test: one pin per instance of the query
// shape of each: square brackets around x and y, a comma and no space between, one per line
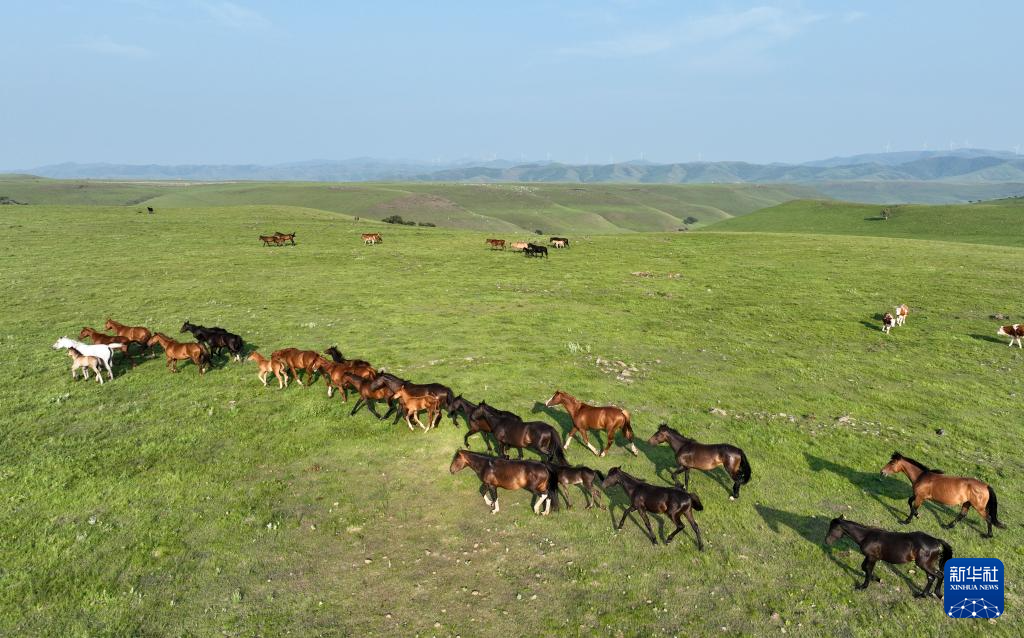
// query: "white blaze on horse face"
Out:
[550,401]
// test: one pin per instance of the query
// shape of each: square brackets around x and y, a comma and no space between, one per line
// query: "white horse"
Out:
[102,352]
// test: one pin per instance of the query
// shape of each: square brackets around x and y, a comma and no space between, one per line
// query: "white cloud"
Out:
[236,16]
[103,44]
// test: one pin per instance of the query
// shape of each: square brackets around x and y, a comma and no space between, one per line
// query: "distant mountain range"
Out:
[960,166]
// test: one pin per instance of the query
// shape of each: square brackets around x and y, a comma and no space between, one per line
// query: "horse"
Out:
[442,392]
[86,363]
[358,366]
[216,339]
[370,239]
[934,485]
[644,497]
[519,246]
[496,244]
[540,479]
[283,237]
[511,431]
[691,454]
[268,239]
[534,250]
[120,343]
[176,351]
[559,242]
[367,396]
[103,352]
[141,334]
[413,404]
[584,477]
[474,420]
[267,366]
[295,359]
[876,544]
[588,417]
[901,314]
[334,373]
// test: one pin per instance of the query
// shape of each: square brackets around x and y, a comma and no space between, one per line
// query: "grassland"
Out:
[165,504]
[994,222]
[553,208]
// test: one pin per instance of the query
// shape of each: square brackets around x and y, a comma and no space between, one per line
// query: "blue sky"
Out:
[206,81]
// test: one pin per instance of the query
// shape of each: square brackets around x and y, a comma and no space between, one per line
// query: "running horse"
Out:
[284,237]
[367,396]
[588,417]
[298,360]
[691,454]
[217,339]
[443,393]
[494,472]
[139,334]
[934,485]
[270,239]
[176,351]
[876,544]
[116,343]
[644,497]
[370,239]
[511,431]
[103,352]
[334,373]
[475,422]
[585,478]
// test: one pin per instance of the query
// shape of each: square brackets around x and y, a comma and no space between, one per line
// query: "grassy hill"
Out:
[995,222]
[169,504]
[552,208]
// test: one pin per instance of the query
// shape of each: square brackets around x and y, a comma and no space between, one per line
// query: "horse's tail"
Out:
[744,476]
[627,427]
[553,485]
[947,553]
[600,475]
[695,502]
[556,450]
[992,508]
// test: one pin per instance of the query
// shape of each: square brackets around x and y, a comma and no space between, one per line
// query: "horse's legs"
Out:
[391,408]
[595,494]
[501,450]
[610,435]
[624,515]
[586,440]
[677,518]
[262,376]
[494,496]
[735,489]
[358,404]
[520,450]
[934,578]
[647,523]
[296,374]
[868,566]
[686,474]
[959,517]
[372,408]
[688,512]
[280,381]
[675,475]
[106,364]
[912,501]
[568,439]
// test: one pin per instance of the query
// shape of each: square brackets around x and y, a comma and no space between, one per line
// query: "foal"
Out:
[928,552]
[266,367]
[540,479]
[584,477]
[934,485]
[86,363]
[691,454]
[588,417]
[644,497]
[413,404]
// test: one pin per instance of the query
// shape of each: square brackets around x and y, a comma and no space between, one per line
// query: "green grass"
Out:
[994,222]
[165,504]
[506,208]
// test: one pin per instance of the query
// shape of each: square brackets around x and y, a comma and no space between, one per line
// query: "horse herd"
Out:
[528,249]
[278,239]
[548,478]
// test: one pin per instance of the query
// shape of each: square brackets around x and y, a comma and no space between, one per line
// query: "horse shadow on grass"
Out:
[872,483]
[875,325]
[988,338]
[556,414]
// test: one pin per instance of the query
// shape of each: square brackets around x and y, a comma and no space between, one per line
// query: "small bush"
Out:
[393,219]
[691,220]
[428,224]
[539,232]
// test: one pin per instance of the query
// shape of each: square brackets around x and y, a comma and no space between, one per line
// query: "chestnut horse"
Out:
[367,396]
[588,417]
[934,485]
[691,454]
[496,244]
[540,479]
[118,343]
[644,497]
[298,360]
[141,334]
[443,393]
[413,404]
[511,431]
[876,544]
[176,351]
[266,366]
[283,237]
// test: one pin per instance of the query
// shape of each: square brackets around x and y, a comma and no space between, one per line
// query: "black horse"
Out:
[644,497]
[535,250]
[216,339]
[876,544]
[509,430]
[460,405]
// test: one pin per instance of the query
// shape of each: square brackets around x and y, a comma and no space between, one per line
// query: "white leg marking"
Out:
[567,442]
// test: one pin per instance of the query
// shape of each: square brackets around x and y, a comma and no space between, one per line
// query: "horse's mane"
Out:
[896,456]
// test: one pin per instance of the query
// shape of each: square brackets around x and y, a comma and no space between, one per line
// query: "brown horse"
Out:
[367,396]
[588,417]
[356,366]
[334,374]
[934,485]
[176,351]
[121,343]
[496,244]
[876,544]
[284,237]
[413,404]
[269,239]
[691,454]
[584,477]
[369,239]
[493,472]
[644,497]
[298,360]
[267,366]
[140,334]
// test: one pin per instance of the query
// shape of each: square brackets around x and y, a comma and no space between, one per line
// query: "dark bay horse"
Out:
[295,359]
[509,430]
[876,544]
[216,339]
[474,425]
[283,237]
[367,396]
[644,497]
[357,365]
[176,351]
[443,393]
[588,417]
[494,472]
[691,454]
[584,477]
[934,485]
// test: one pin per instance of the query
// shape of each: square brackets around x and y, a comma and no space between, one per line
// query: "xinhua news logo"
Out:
[973,588]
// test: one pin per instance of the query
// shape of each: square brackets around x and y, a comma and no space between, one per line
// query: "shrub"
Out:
[393,219]
[691,220]
[431,225]
[539,232]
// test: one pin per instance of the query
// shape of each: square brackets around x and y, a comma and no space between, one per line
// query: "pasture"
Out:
[176,504]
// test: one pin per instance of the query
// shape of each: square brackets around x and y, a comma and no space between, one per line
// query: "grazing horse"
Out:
[117,343]
[1014,332]
[103,352]
[496,244]
[901,314]
[367,396]
[443,393]
[588,417]
[176,351]
[216,339]
[140,334]
[474,425]
[86,363]
[644,497]
[691,454]
[370,239]
[519,246]
[876,544]
[283,237]
[934,485]
[584,477]
[559,242]
[887,322]
[267,366]
[298,360]
[534,250]
[540,479]
[511,431]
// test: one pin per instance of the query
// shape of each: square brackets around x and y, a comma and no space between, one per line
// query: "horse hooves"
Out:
[920,594]
[732,498]
[860,587]
[986,535]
